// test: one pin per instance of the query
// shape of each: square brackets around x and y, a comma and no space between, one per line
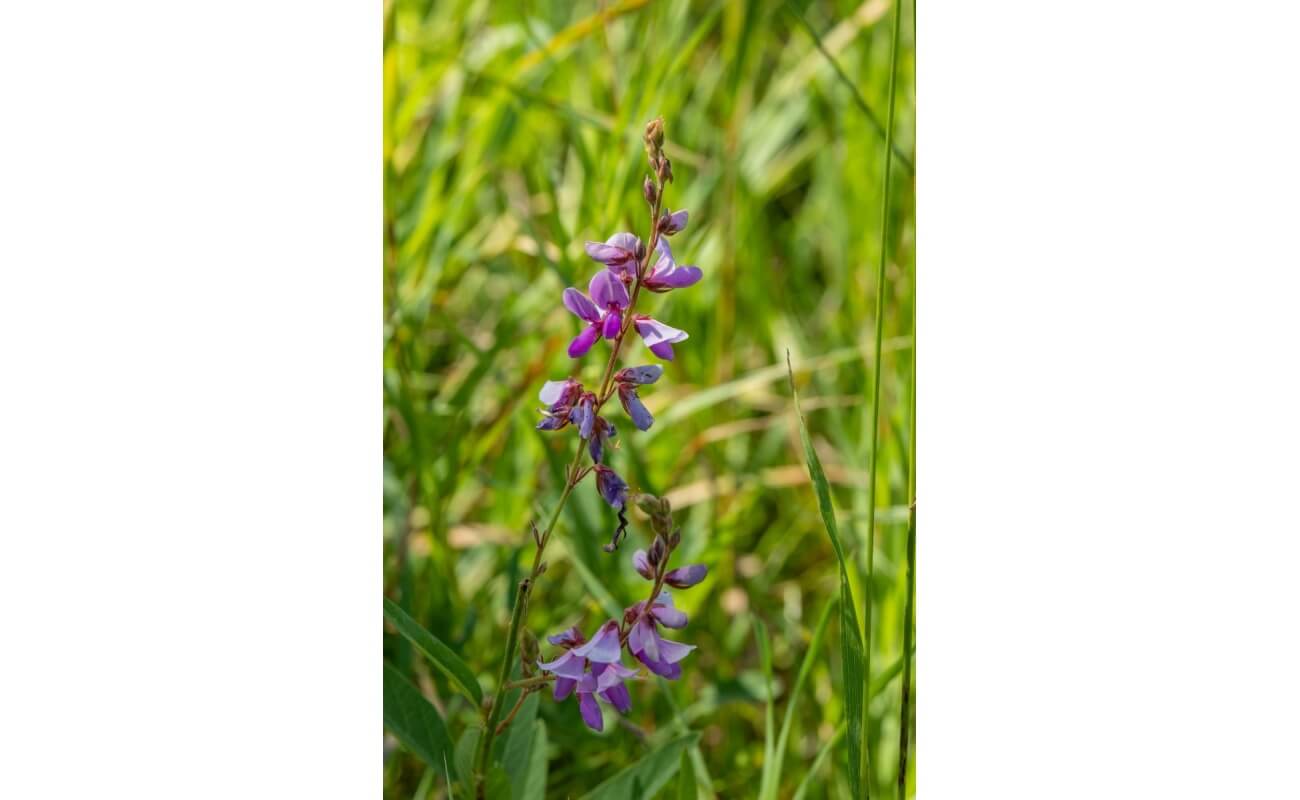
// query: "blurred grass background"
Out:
[511,135]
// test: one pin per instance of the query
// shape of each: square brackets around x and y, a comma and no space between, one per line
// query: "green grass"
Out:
[511,135]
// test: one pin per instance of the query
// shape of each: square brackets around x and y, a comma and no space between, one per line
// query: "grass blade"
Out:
[651,773]
[415,722]
[442,656]
[686,786]
[850,642]
[884,131]
[822,755]
[810,657]
[765,789]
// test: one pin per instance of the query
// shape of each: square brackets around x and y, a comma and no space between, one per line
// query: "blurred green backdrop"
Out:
[511,135]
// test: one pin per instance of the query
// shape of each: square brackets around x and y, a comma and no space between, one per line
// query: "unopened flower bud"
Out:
[654,133]
[665,170]
[675,539]
[657,551]
[650,190]
[646,502]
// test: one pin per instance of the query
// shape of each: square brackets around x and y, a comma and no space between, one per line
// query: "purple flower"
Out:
[665,275]
[614,490]
[584,415]
[639,375]
[594,669]
[619,252]
[637,412]
[558,397]
[660,655]
[604,316]
[673,223]
[658,336]
[603,432]
[686,577]
[641,562]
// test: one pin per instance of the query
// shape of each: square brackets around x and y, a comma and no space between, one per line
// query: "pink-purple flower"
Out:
[594,669]
[667,275]
[627,380]
[603,311]
[660,655]
[621,252]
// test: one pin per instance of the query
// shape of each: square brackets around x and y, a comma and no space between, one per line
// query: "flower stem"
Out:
[571,478]
[875,411]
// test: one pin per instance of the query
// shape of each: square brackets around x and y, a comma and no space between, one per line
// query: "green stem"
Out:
[875,409]
[909,613]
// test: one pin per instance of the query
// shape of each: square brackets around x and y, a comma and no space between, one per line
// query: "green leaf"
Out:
[519,743]
[533,786]
[850,638]
[765,788]
[416,723]
[442,656]
[822,755]
[773,783]
[466,746]
[686,788]
[652,772]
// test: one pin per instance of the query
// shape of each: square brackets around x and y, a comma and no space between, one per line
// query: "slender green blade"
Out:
[416,723]
[519,745]
[850,640]
[652,773]
[765,788]
[805,669]
[442,656]
[533,784]
[686,786]
[820,759]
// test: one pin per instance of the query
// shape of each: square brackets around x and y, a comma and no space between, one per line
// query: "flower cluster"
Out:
[595,668]
[608,312]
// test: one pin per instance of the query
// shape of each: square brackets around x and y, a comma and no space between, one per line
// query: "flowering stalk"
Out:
[594,668]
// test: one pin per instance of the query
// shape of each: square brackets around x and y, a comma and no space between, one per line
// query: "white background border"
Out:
[190,315]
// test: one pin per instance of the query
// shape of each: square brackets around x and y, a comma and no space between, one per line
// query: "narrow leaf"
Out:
[442,656]
[810,657]
[519,745]
[765,788]
[686,788]
[850,639]
[822,755]
[533,786]
[415,722]
[652,773]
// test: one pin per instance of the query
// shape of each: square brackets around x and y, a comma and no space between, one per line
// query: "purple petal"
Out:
[647,638]
[567,665]
[552,391]
[563,688]
[642,564]
[671,652]
[676,223]
[618,697]
[552,423]
[664,350]
[669,616]
[640,417]
[613,321]
[655,332]
[591,711]
[663,669]
[583,341]
[607,290]
[686,577]
[611,487]
[578,303]
[639,375]
[677,278]
[603,647]
[567,638]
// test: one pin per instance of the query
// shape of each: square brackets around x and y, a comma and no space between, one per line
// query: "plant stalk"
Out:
[865,765]
[572,477]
